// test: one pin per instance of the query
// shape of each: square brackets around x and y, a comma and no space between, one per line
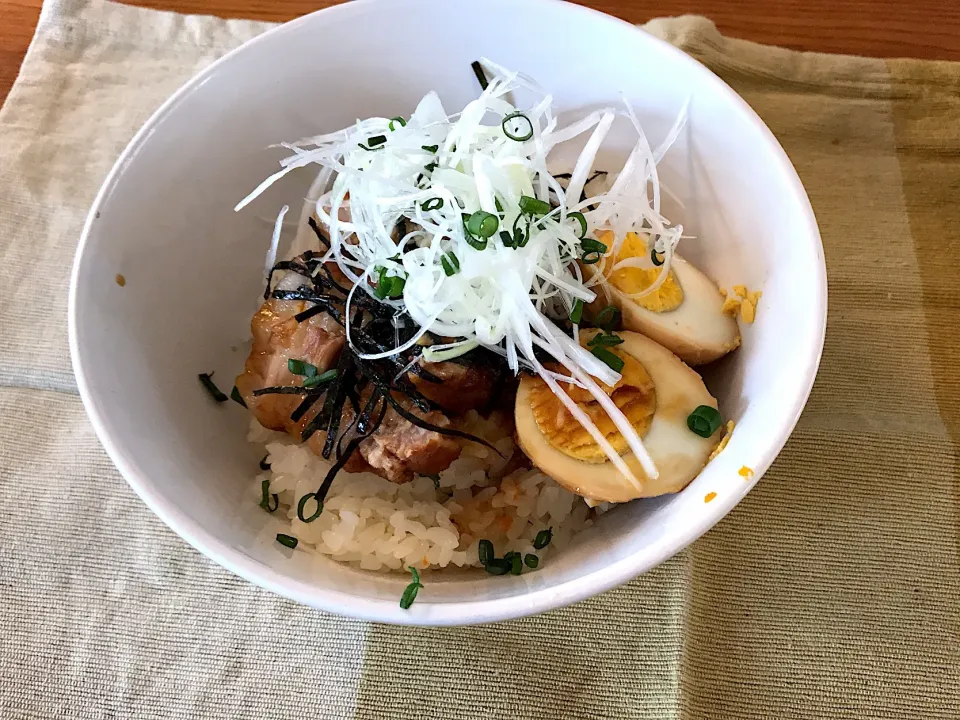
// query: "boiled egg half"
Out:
[657,392]
[685,314]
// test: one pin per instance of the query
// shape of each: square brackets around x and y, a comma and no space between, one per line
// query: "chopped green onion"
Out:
[517,126]
[430,148]
[400,120]
[576,315]
[605,340]
[478,71]
[237,397]
[451,266]
[410,593]
[520,238]
[543,539]
[380,291]
[485,551]
[303,501]
[396,288]
[497,567]
[590,258]
[264,465]
[388,286]
[497,205]
[432,204]
[320,379]
[436,481]
[614,362]
[483,224]
[531,561]
[476,243]
[507,239]
[374,143]
[266,495]
[608,318]
[591,248]
[533,206]
[430,167]
[656,258]
[591,244]
[287,540]
[207,382]
[578,216]
[299,367]
[391,287]
[514,561]
[704,421]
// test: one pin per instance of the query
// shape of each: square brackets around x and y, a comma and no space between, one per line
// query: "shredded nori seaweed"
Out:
[339,394]
[309,313]
[283,390]
[206,379]
[237,397]
[308,402]
[481,76]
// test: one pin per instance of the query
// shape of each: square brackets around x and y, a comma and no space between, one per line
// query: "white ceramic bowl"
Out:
[164,220]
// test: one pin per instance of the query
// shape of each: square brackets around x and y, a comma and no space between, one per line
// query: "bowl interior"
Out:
[164,220]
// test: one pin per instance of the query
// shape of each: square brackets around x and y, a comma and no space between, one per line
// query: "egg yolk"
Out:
[731,306]
[634,280]
[743,302]
[634,394]
[723,441]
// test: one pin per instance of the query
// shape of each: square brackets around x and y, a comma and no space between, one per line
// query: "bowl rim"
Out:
[455,613]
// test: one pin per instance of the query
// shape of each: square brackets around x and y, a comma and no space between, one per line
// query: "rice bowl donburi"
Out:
[469,353]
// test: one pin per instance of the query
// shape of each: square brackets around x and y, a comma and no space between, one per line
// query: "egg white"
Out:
[698,331]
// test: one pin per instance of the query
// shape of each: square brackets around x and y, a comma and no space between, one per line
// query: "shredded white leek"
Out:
[274,242]
[441,353]
[437,170]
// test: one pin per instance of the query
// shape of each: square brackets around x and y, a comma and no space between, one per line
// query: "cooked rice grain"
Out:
[374,524]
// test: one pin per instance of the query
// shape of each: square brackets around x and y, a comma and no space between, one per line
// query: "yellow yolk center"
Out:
[634,280]
[634,394]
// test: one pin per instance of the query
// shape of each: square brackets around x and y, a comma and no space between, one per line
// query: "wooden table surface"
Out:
[882,28]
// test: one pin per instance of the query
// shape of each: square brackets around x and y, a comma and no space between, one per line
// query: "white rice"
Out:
[374,524]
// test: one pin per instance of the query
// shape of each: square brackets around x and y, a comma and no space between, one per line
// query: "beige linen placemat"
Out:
[831,592]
